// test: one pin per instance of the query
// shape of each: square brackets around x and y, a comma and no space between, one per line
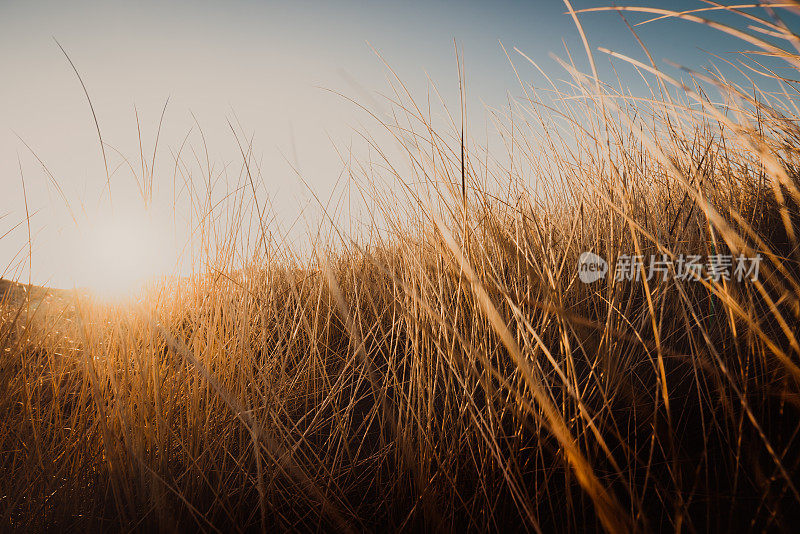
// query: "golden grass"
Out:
[450,371]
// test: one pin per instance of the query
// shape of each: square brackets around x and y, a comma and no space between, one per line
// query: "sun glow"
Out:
[117,254]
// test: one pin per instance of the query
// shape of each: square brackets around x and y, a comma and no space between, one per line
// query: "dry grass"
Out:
[450,372]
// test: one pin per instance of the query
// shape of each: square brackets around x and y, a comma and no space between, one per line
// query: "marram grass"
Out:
[447,369]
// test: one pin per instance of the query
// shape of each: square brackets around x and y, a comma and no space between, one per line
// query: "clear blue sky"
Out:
[265,62]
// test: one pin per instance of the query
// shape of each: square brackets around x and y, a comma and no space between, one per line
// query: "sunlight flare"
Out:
[119,253]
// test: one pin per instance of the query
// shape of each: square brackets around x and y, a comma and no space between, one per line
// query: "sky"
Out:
[270,69]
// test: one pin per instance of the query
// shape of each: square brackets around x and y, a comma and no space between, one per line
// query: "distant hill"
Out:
[11,291]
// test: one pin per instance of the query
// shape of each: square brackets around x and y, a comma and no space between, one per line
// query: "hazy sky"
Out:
[265,63]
